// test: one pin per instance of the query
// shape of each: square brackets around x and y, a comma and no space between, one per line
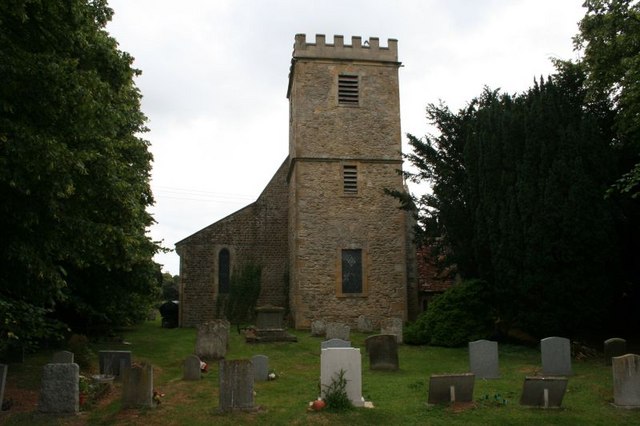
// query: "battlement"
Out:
[370,51]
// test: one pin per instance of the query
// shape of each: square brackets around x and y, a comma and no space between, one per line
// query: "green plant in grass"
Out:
[335,394]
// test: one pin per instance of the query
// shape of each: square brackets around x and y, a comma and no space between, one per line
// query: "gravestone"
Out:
[318,328]
[556,356]
[212,340]
[364,324]
[60,387]
[62,357]
[192,369]
[483,359]
[392,326]
[113,362]
[260,368]
[626,381]
[336,330]
[335,343]
[383,352]
[334,360]
[544,392]
[450,388]
[269,326]
[137,386]
[236,385]
[614,347]
[3,381]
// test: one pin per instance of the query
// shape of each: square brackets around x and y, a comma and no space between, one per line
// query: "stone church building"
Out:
[331,243]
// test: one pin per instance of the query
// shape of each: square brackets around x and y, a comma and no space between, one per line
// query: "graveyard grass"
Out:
[399,396]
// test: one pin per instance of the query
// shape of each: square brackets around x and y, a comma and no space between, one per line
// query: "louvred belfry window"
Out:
[350,179]
[348,90]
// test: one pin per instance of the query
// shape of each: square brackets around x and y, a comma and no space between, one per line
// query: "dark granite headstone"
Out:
[544,392]
[113,362]
[449,388]
[236,385]
[62,357]
[383,352]
[614,347]
[192,369]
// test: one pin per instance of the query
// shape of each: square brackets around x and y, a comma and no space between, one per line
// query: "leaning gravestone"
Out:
[335,360]
[3,381]
[364,324]
[335,343]
[544,392]
[260,368]
[614,347]
[392,326]
[62,357]
[212,339]
[192,369]
[318,328]
[483,359]
[383,352]
[236,385]
[113,362]
[59,391]
[137,386]
[626,381]
[556,356]
[450,388]
[336,330]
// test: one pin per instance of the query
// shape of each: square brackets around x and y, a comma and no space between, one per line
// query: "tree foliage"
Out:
[74,174]
[517,196]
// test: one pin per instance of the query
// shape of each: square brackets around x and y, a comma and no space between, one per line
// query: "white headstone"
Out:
[556,356]
[483,359]
[332,361]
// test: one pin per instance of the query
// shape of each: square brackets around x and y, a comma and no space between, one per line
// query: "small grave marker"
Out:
[260,368]
[336,330]
[192,369]
[483,359]
[318,328]
[556,356]
[450,388]
[392,326]
[544,392]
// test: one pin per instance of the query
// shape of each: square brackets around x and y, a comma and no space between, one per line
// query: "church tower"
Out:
[347,238]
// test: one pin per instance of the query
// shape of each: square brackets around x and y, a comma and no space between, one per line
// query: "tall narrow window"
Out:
[223,271]
[348,90]
[352,271]
[350,179]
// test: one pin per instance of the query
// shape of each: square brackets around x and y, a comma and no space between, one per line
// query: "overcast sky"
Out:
[214,80]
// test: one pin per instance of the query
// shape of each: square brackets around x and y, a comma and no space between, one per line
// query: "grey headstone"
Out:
[332,360]
[392,326]
[626,381]
[335,343]
[260,367]
[236,385]
[545,392]
[556,356]
[364,324]
[3,381]
[483,359]
[448,388]
[62,357]
[192,370]
[318,328]
[336,330]
[59,391]
[383,352]
[614,347]
[212,339]
[137,386]
[113,362]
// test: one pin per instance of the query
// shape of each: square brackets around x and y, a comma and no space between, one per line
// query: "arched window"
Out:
[223,271]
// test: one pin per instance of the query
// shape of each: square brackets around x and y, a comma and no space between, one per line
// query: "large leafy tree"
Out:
[74,174]
[517,197]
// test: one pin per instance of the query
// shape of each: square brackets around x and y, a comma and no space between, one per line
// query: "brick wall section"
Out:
[256,233]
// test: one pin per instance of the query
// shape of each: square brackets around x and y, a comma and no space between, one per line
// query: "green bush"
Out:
[335,394]
[454,318]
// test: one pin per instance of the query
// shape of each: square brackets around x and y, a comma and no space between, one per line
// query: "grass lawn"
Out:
[399,397]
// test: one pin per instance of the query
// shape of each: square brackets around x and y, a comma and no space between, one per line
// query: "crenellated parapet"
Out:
[369,51]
